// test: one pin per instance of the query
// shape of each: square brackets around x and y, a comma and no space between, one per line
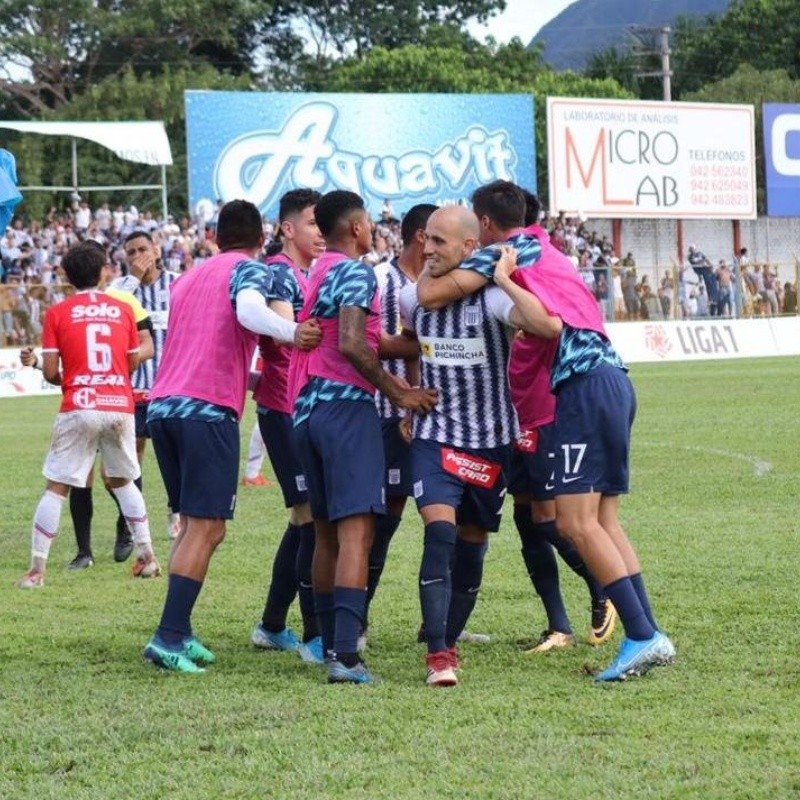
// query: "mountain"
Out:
[589,26]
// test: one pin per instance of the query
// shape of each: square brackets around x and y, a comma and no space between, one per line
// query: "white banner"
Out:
[141,142]
[18,381]
[615,158]
[702,340]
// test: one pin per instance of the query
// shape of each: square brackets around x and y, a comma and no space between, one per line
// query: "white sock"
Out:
[255,454]
[45,524]
[133,509]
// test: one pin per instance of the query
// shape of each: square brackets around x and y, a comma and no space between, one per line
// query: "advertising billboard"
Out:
[615,158]
[782,159]
[404,148]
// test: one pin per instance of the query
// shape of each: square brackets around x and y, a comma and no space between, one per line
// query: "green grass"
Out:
[712,511]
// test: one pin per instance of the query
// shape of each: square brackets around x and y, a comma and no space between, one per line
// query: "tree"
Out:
[54,50]
[750,31]
[354,27]
[461,64]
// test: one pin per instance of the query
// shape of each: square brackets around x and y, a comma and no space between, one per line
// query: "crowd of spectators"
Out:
[31,254]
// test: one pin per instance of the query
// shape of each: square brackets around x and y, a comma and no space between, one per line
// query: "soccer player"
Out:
[392,276]
[337,426]
[81,504]
[95,338]
[195,406]
[501,207]
[460,450]
[504,207]
[149,282]
[291,567]
[595,408]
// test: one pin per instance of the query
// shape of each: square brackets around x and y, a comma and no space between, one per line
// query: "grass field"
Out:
[713,513]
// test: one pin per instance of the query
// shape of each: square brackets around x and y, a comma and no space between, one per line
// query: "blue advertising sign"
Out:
[405,148]
[782,159]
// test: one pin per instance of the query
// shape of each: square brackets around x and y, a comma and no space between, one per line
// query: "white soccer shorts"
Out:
[77,438]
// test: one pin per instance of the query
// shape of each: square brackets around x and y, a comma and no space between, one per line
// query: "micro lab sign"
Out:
[405,148]
[610,158]
[782,159]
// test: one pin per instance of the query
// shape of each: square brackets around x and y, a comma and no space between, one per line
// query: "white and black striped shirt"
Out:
[155,300]
[391,279]
[465,349]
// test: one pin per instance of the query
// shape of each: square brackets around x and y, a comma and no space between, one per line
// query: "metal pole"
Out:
[164,191]
[75,164]
[666,74]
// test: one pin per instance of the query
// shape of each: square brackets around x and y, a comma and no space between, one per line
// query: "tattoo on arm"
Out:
[353,346]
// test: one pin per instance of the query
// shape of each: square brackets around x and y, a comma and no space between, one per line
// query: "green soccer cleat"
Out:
[196,651]
[173,660]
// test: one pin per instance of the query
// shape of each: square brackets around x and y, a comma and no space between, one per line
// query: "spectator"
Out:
[650,304]
[705,271]
[629,294]
[666,291]
[789,298]
[724,289]
[770,295]
[702,305]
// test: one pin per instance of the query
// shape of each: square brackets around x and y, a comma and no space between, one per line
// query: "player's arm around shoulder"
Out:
[435,293]
[528,312]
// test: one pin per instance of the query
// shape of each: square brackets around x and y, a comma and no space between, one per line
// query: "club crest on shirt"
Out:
[471,316]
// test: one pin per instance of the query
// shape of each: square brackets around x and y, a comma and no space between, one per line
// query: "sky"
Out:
[521,18]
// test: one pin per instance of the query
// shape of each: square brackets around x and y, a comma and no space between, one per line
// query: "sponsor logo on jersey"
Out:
[470,468]
[454,352]
[95,311]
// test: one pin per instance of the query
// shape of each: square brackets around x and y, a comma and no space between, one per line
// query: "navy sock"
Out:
[623,595]
[305,555]
[349,606]
[573,560]
[434,582]
[466,581]
[176,619]
[81,509]
[542,567]
[283,586]
[323,603]
[641,593]
[385,528]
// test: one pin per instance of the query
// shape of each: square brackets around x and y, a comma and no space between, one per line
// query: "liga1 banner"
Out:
[404,148]
[615,158]
[705,339]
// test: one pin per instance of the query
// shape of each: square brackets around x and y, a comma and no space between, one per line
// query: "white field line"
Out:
[760,466]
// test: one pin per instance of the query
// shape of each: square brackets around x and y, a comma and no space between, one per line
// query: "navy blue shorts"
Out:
[140,420]
[398,459]
[594,415]
[471,481]
[532,469]
[341,451]
[277,432]
[199,462]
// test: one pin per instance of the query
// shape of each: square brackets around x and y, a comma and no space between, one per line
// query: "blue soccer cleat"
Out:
[636,658]
[311,651]
[339,673]
[266,640]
